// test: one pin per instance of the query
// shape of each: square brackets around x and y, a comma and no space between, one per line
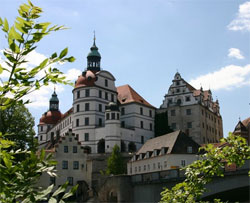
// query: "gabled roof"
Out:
[127,94]
[167,141]
[246,122]
[240,127]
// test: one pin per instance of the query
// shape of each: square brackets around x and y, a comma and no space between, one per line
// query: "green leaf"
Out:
[60,189]
[15,35]
[63,53]
[44,63]
[52,200]
[1,69]
[7,162]
[5,25]
[44,193]
[1,21]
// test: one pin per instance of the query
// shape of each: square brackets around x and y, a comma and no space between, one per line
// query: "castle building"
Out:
[102,115]
[193,111]
[243,129]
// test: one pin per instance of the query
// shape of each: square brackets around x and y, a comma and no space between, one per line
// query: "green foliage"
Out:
[201,172]
[116,164]
[22,38]
[16,123]
[18,177]
[161,124]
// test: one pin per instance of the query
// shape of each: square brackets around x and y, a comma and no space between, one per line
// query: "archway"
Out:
[101,146]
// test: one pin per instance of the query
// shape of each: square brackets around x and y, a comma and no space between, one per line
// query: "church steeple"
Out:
[94,58]
[54,102]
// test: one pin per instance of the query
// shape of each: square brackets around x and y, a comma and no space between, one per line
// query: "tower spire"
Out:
[94,39]
[94,58]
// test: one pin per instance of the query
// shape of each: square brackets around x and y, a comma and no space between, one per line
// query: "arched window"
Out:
[101,146]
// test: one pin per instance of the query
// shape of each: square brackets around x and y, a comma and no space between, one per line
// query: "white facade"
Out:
[94,91]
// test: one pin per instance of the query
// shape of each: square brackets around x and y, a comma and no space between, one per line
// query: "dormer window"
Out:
[189,150]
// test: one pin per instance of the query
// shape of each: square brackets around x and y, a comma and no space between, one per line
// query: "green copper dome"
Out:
[94,51]
[54,98]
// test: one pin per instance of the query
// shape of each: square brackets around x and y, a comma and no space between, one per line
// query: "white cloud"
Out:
[72,74]
[235,53]
[242,21]
[228,77]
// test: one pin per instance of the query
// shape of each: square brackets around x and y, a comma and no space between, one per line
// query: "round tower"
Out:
[112,127]
[49,118]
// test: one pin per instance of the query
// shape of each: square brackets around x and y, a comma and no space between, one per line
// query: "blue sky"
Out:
[144,42]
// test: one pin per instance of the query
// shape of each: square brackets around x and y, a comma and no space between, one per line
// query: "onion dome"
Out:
[112,107]
[87,78]
[50,117]
[94,58]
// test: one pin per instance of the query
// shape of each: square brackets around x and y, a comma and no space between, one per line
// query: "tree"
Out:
[201,172]
[17,123]
[116,164]
[18,177]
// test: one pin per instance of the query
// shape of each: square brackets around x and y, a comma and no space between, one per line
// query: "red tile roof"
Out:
[127,94]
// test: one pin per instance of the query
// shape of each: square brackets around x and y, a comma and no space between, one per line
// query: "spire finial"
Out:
[239,118]
[54,88]
[94,38]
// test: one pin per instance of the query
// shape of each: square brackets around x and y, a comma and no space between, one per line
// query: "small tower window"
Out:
[112,97]
[106,96]
[113,116]
[150,113]
[86,106]
[77,122]
[141,124]
[100,108]
[123,111]
[123,124]
[142,139]
[77,108]
[86,136]
[141,110]
[107,116]
[100,122]
[151,126]
[87,121]
[100,94]
[106,83]
[78,94]
[87,93]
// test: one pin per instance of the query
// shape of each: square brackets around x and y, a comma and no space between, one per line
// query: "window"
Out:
[177,90]
[183,163]
[145,167]
[41,138]
[135,169]
[159,165]
[87,93]
[153,165]
[86,106]
[123,111]
[141,124]
[100,122]
[106,83]
[172,112]
[64,164]
[106,96]
[189,124]
[141,110]
[151,126]
[100,108]
[203,125]
[188,111]
[189,150]
[87,121]
[142,139]
[150,113]
[75,165]
[173,126]
[139,169]
[112,97]
[113,116]
[86,136]
[52,180]
[118,116]
[74,149]
[66,149]
[41,128]
[77,108]
[187,98]
[165,164]
[100,94]
[78,94]
[177,83]
[123,124]
[77,122]
[107,116]
[70,180]
[170,101]
[70,139]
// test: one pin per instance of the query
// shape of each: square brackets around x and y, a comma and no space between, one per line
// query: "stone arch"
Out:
[112,196]
[101,146]
[131,147]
